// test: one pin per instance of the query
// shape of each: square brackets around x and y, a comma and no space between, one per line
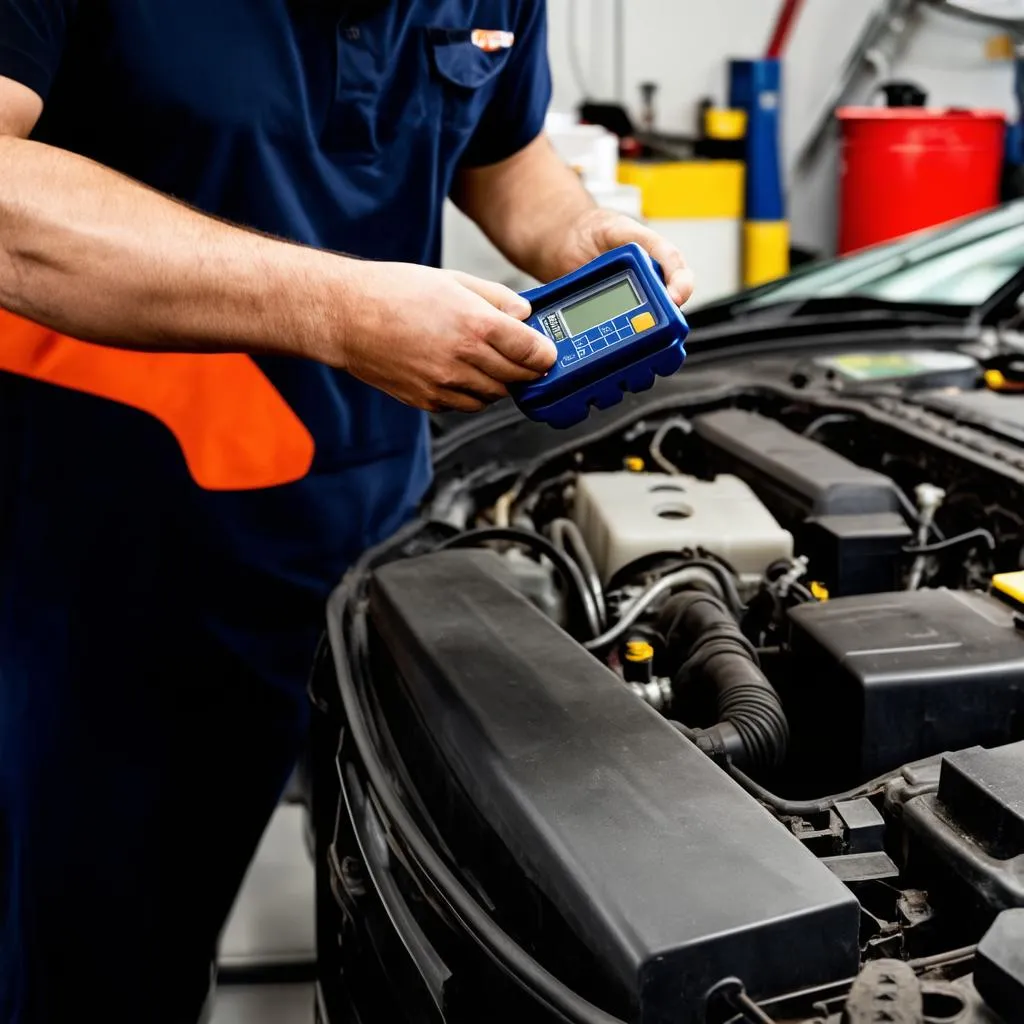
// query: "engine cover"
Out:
[890,678]
[798,476]
[669,873]
[624,516]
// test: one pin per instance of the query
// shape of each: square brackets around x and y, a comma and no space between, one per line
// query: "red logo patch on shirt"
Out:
[491,40]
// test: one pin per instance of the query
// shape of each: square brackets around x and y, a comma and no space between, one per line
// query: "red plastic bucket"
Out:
[907,168]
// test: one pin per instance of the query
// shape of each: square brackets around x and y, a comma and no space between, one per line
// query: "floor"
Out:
[272,924]
[265,1004]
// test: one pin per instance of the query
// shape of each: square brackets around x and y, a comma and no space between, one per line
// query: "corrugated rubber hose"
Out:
[705,640]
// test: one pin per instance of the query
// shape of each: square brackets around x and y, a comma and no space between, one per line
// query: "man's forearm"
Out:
[538,213]
[525,205]
[95,255]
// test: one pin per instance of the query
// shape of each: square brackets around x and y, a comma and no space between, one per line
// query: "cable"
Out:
[725,578]
[567,450]
[656,564]
[952,542]
[730,994]
[528,502]
[569,569]
[925,963]
[503,506]
[675,423]
[750,1010]
[929,500]
[910,509]
[454,503]
[727,581]
[804,808]
[823,421]
[566,536]
[679,578]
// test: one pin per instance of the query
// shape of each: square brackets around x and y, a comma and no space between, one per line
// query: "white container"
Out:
[468,249]
[624,516]
[713,247]
[592,151]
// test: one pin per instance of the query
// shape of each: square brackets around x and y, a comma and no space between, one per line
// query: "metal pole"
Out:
[890,24]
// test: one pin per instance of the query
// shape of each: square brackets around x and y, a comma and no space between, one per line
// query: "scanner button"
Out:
[643,322]
[607,329]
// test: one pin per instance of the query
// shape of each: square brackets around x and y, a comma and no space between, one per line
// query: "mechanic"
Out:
[208,414]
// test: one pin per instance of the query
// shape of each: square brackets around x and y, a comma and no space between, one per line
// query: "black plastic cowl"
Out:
[670,877]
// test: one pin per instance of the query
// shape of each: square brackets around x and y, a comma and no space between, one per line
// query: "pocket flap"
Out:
[462,61]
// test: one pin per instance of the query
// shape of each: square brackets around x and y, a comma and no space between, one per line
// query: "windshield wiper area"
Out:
[920,312]
[829,309]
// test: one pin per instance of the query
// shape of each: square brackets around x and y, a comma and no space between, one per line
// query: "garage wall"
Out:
[681,44]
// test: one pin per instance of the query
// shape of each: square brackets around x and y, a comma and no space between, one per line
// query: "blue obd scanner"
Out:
[615,328]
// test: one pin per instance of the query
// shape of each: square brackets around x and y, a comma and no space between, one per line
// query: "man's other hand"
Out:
[597,231]
[437,339]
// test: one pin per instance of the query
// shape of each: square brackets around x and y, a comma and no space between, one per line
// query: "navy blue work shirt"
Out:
[283,116]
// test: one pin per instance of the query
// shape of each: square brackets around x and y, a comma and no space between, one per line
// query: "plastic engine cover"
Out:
[972,829]
[669,873]
[902,676]
[798,476]
[624,516]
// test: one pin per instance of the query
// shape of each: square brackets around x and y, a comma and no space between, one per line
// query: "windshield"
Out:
[961,265]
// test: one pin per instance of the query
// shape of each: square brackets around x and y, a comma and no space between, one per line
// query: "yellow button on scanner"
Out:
[643,322]
[1010,586]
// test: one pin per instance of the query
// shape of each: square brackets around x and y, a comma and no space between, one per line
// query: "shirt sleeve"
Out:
[515,115]
[32,35]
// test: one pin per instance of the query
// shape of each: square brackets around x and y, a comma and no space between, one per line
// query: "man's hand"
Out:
[597,231]
[436,339]
[537,212]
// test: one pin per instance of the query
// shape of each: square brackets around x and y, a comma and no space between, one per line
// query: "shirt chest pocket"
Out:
[436,80]
[466,66]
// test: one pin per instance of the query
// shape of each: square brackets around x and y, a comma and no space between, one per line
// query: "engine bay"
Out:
[859,578]
[753,602]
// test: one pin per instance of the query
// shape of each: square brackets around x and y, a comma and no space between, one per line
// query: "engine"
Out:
[631,654]
[825,578]
[627,516]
